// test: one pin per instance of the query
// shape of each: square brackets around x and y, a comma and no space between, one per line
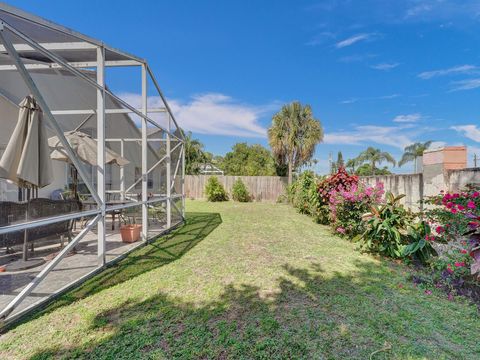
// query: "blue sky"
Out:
[379,73]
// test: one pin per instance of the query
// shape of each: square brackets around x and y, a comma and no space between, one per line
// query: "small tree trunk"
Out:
[290,172]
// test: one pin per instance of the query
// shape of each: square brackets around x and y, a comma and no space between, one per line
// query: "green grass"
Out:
[245,281]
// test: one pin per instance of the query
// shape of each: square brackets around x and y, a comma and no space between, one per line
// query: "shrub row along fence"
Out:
[444,238]
[261,188]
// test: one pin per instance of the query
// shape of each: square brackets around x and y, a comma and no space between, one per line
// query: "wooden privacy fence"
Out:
[262,188]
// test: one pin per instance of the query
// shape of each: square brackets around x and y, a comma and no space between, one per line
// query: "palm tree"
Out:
[412,152]
[352,165]
[194,155]
[294,135]
[375,156]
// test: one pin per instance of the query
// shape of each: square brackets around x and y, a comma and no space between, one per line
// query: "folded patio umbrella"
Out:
[85,147]
[26,160]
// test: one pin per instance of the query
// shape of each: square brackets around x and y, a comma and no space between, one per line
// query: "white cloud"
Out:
[320,38]
[419,9]
[442,10]
[353,39]
[356,58]
[212,113]
[460,69]
[383,97]
[408,118]
[469,131]
[385,66]
[349,101]
[437,144]
[367,134]
[468,84]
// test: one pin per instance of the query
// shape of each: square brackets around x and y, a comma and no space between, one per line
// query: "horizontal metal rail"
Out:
[107,111]
[30,224]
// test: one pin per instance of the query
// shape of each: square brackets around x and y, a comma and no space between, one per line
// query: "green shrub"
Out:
[387,226]
[300,192]
[215,191]
[420,246]
[240,192]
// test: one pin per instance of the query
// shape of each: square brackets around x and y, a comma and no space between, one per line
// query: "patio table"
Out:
[91,204]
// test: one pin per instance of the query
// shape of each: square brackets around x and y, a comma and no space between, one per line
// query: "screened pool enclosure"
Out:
[86,174]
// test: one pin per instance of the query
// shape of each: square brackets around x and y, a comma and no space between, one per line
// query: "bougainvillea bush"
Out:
[452,213]
[320,200]
[347,207]
[455,219]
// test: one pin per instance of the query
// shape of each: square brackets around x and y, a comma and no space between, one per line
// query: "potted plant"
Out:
[130,231]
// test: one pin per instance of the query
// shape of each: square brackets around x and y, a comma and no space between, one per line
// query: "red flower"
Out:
[463,251]
[440,229]
[475,194]
[449,269]
[461,207]
[471,205]
[459,264]
[454,211]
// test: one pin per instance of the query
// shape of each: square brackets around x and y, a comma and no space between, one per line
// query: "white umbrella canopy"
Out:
[26,160]
[85,147]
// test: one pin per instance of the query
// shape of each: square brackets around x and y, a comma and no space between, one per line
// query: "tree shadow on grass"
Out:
[312,315]
[159,252]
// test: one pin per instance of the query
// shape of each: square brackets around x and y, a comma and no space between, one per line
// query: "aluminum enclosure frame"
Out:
[47,49]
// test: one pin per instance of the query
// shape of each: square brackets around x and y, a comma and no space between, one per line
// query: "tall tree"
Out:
[340,162]
[253,160]
[351,165]
[195,155]
[412,152]
[293,136]
[375,156]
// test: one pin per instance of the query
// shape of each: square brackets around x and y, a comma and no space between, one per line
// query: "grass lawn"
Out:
[249,281]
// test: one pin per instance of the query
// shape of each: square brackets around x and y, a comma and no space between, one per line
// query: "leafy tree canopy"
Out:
[248,160]
[195,155]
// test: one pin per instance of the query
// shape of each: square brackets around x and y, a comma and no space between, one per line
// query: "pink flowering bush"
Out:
[347,206]
[454,214]
[456,220]
[320,200]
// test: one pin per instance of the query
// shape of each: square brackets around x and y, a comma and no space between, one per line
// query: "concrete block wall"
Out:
[409,184]
[443,169]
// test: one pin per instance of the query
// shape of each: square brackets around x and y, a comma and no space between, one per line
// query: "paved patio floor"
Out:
[71,268]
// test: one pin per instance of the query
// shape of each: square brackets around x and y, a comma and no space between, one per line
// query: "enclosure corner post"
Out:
[144,156]
[169,174]
[101,153]
[183,179]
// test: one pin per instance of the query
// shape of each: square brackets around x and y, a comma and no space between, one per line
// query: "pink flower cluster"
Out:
[463,203]
[356,193]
